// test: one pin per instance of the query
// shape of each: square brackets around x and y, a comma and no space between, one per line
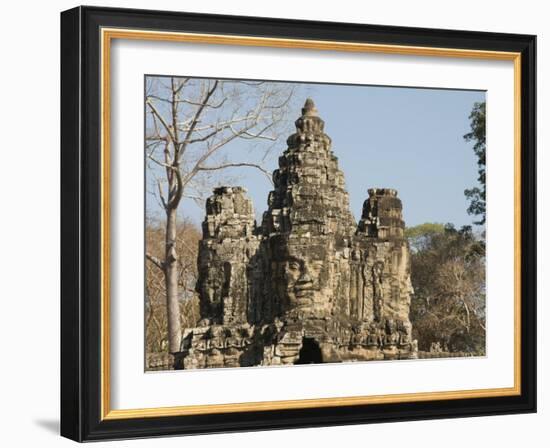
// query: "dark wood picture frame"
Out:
[85,413]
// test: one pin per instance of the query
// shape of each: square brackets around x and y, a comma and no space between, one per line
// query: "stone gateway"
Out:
[309,285]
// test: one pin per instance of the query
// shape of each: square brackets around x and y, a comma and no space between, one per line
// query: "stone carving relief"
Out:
[309,284]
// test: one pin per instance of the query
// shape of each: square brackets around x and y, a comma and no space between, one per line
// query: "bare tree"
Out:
[191,128]
[448,276]
[156,324]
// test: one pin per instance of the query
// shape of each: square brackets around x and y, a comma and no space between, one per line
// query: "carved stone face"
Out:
[306,277]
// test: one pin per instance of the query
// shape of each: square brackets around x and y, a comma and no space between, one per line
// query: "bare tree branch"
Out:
[161,194]
[235,165]
[200,110]
[210,106]
[250,136]
[157,114]
[177,192]
[156,261]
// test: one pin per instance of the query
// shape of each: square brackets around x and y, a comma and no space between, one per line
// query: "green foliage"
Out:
[476,195]
[428,228]
[448,276]
[419,235]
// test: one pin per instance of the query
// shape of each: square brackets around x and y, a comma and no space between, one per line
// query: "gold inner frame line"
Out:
[107,35]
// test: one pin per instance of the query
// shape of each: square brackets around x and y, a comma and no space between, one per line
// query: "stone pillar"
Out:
[229,242]
[382,215]
[381,232]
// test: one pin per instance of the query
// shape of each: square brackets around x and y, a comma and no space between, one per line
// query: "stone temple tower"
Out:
[309,284]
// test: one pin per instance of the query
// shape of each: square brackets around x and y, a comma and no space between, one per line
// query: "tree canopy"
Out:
[476,195]
[448,276]
[419,235]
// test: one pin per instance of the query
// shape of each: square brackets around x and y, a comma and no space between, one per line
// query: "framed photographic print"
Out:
[274,223]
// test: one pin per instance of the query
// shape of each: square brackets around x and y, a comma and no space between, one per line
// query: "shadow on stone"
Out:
[310,353]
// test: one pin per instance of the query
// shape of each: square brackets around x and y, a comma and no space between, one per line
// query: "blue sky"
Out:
[410,139]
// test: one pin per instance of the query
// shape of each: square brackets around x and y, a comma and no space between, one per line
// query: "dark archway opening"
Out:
[310,352]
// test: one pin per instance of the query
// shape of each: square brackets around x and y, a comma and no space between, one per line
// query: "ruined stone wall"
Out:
[308,284]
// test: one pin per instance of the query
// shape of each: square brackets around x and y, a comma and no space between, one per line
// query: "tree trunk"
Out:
[171,279]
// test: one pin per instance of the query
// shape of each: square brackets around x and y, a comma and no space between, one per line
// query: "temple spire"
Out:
[307,286]
[310,124]
[309,109]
